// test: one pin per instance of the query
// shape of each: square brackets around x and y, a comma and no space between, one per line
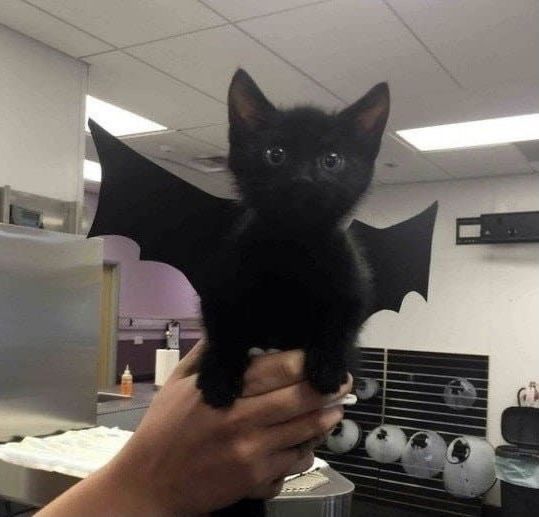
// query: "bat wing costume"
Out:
[179,224]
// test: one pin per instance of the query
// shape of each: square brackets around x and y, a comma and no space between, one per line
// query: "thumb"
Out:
[189,364]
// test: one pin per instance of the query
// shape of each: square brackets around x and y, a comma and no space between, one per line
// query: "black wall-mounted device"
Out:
[498,228]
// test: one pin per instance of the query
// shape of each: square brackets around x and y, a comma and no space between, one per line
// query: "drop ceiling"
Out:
[171,61]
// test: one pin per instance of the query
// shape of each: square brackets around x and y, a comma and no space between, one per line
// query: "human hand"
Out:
[189,458]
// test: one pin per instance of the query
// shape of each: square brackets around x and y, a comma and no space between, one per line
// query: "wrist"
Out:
[110,491]
[139,487]
[132,492]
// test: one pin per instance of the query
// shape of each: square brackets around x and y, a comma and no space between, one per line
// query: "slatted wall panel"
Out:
[412,398]
[356,465]
[414,401]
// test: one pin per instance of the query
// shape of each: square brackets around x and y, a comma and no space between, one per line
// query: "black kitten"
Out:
[288,277]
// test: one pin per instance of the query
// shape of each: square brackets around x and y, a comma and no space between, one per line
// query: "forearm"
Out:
[109,493]
[174,466]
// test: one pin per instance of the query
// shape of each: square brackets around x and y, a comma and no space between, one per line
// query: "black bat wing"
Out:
[170,219]
[399,257]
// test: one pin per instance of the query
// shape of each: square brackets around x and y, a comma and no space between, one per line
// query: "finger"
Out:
[270,372]
[268,490]
[313,443]
[286,403]
[319,440]
[302,465]
[303,429]
[279,464]
[190,363]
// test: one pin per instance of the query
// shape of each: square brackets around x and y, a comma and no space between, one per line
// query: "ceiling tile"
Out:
[512,99]
[240,9]
[482,161]
[208,59]
[411,166]
[464,105]
[127,22]
[350,45]
[432,109]
[483,42]
[219,184]
[530,150]
[182,150]
[216,135]
[41,26]
[130,84]
[171,145]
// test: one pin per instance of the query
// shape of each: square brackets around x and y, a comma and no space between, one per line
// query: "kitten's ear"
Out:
[369,116]
[248,108]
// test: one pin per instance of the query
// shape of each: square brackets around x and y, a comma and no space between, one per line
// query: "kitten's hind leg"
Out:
[221,373]
[225,359]
[334,333]
[325,369]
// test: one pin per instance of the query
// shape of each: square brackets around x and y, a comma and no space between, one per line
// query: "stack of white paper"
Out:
[75,453]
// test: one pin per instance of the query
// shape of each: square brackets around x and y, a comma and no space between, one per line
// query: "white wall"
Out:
[483,299]
[42,96]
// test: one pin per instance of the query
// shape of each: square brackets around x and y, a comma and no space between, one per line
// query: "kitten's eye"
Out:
[331,162]
[275,156]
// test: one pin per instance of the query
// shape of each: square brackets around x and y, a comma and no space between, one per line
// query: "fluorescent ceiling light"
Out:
[118,121]
[474,134]
[92,171]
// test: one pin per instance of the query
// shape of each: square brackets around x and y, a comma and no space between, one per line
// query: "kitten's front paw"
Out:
[218,388]
[325,376]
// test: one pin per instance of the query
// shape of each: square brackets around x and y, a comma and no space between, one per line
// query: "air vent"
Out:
[210,163]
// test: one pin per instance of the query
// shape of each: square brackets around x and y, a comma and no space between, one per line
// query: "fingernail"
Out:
[255,351]
[335,411]
[347,400]
[333,403]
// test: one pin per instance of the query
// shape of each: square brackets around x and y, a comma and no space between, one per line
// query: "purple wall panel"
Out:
[147,289]
[141,358]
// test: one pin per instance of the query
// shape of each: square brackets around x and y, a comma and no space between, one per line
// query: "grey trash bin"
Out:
[517,465]
[333,499]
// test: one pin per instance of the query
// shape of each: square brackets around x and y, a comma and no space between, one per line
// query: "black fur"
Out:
[288,277]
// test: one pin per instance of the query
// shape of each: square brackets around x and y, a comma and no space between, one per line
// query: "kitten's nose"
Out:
[303,180]
[306,174]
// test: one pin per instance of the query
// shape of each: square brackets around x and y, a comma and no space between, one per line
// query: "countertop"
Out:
[143,394]
[37,487]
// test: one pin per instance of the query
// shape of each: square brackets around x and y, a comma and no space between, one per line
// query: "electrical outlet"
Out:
[138,340]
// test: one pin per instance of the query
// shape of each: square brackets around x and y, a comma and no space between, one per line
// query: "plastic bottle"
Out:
[126,387]
[532,395]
